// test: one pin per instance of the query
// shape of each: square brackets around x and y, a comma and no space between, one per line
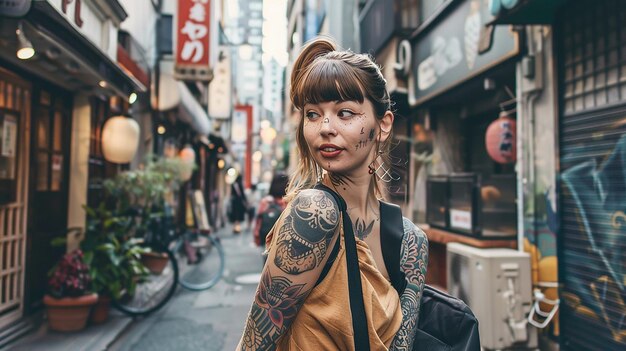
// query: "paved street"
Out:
[207,320]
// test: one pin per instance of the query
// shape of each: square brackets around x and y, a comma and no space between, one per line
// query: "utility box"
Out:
[496,285]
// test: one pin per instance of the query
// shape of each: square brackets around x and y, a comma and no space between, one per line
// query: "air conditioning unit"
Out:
[496,285]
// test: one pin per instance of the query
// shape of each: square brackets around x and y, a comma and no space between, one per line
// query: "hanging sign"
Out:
[193,33]
[500,139]
[220,89]
[458,48]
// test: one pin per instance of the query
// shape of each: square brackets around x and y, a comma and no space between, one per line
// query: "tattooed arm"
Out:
[305,234]
[413,262]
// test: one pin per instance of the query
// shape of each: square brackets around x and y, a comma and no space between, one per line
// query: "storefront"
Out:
[47,102]
[462,83]
[573,206]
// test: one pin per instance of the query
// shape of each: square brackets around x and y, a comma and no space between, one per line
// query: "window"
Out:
[593,75]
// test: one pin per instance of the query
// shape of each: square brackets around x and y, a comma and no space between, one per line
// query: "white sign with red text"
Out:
[461,219]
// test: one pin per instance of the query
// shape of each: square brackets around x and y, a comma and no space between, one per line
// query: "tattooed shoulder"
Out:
[411,229]
[306,232]
[414,253]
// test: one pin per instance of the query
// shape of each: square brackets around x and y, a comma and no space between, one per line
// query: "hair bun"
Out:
[312,49]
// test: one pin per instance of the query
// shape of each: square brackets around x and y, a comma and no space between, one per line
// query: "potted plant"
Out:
[114,260]
[70,299]
[142,193]
[112,243]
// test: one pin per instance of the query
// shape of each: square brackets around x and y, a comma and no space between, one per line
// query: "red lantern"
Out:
[500,139]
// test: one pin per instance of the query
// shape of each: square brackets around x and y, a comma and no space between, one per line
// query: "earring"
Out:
[382,170]
[318,171]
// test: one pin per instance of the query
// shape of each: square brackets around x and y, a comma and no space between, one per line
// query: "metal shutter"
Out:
[592,255]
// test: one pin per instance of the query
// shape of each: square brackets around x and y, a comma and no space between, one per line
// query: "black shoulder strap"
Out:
[357,306]
[391,233]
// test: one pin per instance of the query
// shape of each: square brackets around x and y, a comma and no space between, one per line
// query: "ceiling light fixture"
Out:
[25,48]
[132,98]
[102,84]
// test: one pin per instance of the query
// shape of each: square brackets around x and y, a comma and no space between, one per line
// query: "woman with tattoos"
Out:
[343,137]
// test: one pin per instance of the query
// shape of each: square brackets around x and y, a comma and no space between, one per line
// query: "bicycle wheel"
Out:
[153,291]
[201,261]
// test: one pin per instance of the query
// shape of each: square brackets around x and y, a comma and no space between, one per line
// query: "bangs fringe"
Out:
[329,80]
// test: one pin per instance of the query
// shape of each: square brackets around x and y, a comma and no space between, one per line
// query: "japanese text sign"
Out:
[193,33]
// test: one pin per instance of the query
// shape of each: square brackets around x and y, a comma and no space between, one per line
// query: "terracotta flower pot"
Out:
[100,311]
[154,261]
[69,313]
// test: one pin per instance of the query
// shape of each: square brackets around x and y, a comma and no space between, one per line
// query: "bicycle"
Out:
[191,257]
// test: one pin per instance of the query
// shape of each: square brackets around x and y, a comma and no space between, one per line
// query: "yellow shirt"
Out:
[324,322]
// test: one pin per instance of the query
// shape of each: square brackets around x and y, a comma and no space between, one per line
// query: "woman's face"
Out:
[341,135]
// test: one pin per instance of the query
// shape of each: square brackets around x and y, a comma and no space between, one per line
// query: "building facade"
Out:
[51,98]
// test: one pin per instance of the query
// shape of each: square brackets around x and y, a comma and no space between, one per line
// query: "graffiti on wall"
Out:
[595,240]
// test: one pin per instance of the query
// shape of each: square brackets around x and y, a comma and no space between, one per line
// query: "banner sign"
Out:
[193,33]
[458,48]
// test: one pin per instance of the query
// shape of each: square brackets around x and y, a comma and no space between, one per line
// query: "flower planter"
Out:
[100,311]
[154,261]
[69,313]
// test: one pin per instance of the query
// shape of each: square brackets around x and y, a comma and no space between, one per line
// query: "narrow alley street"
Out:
[207,320]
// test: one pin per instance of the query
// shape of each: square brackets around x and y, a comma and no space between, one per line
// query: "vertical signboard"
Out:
[193,40]
[241,131]
[239,134]
[220,89]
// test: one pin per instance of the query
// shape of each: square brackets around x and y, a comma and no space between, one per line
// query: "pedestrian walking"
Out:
[253,201]
[270,208]
[325,260]
[238,204]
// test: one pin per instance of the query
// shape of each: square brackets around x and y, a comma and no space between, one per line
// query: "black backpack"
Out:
[445,322]
[268,219]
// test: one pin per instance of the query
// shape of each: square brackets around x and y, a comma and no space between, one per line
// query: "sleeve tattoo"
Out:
[302,244]
[413,262]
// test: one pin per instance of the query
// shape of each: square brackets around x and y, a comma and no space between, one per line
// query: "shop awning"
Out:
[66,57]
[529,12]
[174,94]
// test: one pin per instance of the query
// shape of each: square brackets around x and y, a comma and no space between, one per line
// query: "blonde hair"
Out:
[322,73]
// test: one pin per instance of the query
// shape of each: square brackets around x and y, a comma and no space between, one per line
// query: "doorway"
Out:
[50,154]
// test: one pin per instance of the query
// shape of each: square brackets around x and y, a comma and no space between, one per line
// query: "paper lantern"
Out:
[500,139]
[120,139]
[188,156]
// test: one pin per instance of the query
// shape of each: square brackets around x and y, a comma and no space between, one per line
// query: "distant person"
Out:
[270,208]
[253,201]
[238,204]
